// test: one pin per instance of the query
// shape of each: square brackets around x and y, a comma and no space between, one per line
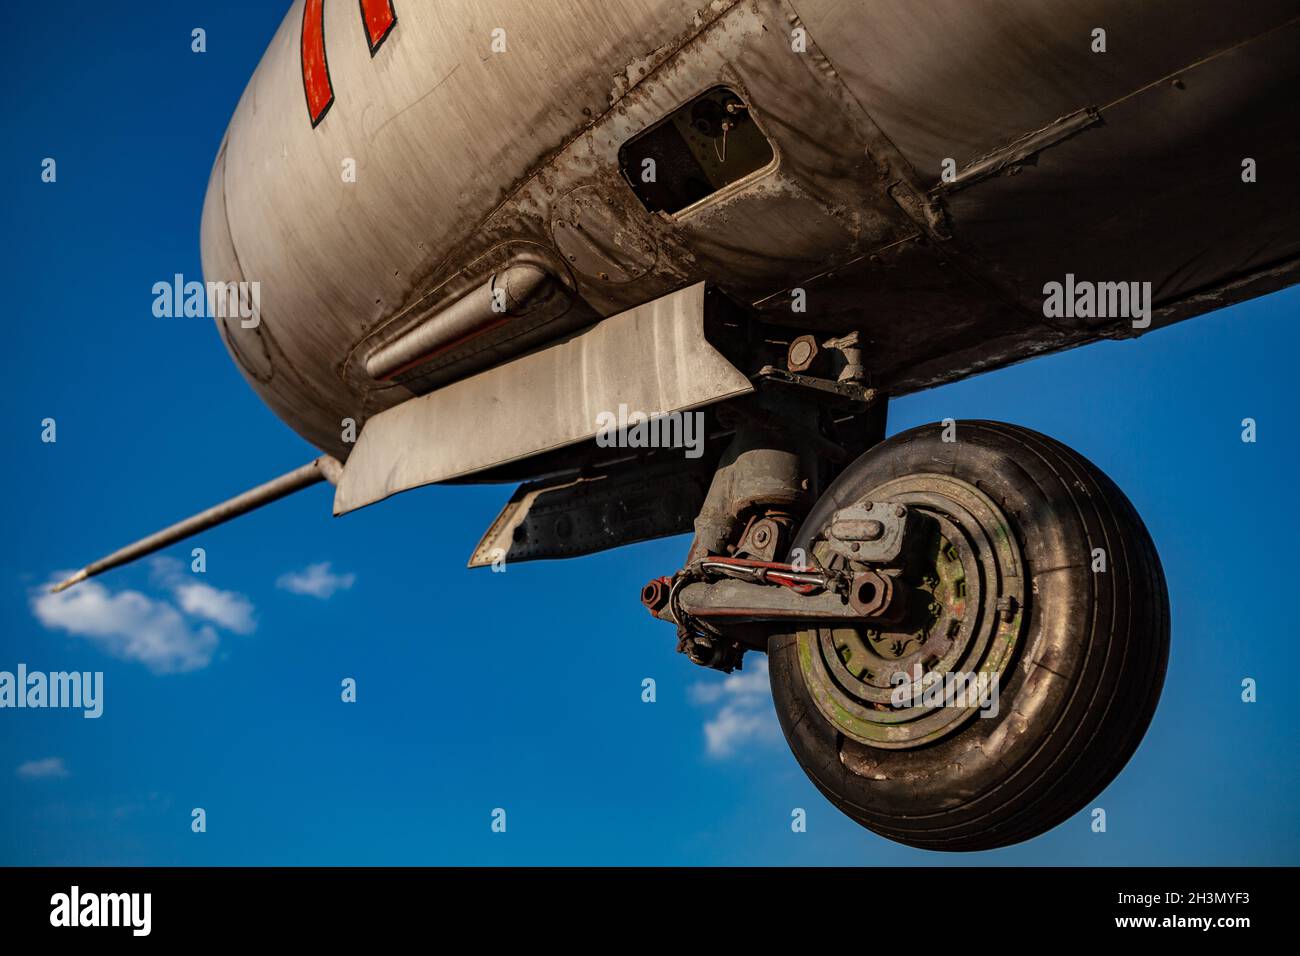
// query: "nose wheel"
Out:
[1026,666]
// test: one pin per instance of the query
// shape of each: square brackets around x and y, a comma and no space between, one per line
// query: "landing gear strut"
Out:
[948,666]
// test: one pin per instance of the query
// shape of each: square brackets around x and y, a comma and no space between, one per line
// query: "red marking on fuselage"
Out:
[315,67]
[377,18]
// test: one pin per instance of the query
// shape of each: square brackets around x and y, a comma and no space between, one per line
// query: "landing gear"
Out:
[1013,669]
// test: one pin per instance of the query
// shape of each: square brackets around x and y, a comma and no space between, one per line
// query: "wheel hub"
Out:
[907,684]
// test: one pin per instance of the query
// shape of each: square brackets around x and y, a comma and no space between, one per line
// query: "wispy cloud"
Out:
[45,769]
[232,611]
[129,625]
[154,631]
[228,609]
[316,580]
[744,709]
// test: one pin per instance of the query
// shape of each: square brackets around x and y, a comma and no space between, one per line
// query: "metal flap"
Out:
[653,358]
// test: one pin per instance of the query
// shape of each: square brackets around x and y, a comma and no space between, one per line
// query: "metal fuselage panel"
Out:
[467,159]
[440,130]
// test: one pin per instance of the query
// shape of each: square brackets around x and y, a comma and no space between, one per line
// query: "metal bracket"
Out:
[870,532]
[849,395]
[716,591]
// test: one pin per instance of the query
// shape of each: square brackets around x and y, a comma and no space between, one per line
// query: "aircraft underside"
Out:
[783,216]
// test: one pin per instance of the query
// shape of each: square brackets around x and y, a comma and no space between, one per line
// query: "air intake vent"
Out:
[709,143]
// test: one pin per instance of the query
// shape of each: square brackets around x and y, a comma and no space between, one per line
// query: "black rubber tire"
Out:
[1089,669]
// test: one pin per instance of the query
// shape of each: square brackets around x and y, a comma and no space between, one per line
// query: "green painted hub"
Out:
[962,623]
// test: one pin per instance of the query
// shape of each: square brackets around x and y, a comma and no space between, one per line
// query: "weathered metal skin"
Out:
[468,160]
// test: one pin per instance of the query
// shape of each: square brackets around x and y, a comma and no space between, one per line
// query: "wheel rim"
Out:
[964,620]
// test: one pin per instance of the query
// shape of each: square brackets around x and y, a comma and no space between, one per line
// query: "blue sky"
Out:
[519,690]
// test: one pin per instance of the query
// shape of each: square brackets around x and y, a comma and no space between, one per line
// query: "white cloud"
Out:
[316,580]
[745,713]
[749,684]
[232,611]
[43,769]
[734,726]
[129,625]
[228,609]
